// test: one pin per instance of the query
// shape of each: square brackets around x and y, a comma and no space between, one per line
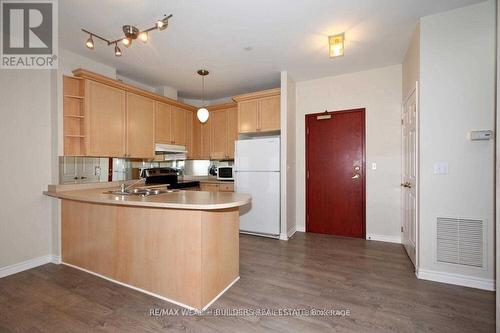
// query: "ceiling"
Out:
[216,35]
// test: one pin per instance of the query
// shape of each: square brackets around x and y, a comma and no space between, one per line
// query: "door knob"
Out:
[356,176]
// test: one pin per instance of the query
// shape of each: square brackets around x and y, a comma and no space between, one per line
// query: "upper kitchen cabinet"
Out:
[163,123]
[140,122]
[108,118]
[106,111]
[74,116]
[259,111]
[232,130]
[179,126]
[171,124]
[218,134]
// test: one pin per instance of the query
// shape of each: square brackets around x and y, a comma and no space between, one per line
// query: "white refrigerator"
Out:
[257,172]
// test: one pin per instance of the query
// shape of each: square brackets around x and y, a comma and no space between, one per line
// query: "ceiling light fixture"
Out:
[143,36]
[130,33]
[90,42]
[202,112]
[336,45]
[118,51]
[127,42]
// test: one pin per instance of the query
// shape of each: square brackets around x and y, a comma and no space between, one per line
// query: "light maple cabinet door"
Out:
[209,187]
[218,134]
[232,130]
[205,140]
[105,109]
[179,123]
[196,150]
[163,122]
[140,126]
[189,134]
[248,116]
[269,114]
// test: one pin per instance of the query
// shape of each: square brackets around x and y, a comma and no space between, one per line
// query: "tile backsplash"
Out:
[91,170]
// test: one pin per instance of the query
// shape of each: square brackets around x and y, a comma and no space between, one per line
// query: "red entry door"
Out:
[335,173]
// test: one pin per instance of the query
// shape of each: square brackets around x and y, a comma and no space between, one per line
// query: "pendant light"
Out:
[202,112]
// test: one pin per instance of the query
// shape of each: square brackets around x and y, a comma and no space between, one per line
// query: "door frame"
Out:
[363,162]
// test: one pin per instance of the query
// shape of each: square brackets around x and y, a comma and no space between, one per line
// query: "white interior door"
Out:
[409,176]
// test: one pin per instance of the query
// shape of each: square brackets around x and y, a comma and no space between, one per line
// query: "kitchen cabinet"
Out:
[205,140]
[269,114]
[218,134]
[171,124]
[259,111]
[226,187]
[105,107]
[232,130]
[248,116]
[179,126]
[163,123]
[209,187]
[140,122]
[217,187]
[189,134]
[108,118]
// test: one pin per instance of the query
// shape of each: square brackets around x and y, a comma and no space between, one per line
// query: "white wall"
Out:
[26,167]
[411,64]
[379,91]
[288,162]
[457,95]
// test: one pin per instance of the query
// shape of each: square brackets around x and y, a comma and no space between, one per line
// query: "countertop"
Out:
[189,200]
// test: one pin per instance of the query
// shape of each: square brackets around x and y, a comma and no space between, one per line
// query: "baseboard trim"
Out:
[301,229]
[384,238]
[456,279]
[151,293]
[291,231]
[28,264]
[221,293]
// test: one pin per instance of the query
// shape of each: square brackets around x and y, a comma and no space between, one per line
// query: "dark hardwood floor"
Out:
[374,280]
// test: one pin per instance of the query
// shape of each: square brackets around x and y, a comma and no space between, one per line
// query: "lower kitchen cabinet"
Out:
[217,187]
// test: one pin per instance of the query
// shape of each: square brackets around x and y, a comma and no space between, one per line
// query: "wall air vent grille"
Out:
[460,241]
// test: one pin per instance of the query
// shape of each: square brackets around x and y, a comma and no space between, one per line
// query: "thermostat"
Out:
[481,135]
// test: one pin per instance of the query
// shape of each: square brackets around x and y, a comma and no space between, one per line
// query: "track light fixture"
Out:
[90,42]
[118,51]
[130,33]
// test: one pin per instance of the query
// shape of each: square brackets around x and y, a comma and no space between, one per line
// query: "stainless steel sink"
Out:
[143,192]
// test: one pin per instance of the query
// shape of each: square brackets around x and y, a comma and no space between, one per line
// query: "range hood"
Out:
[161,148]
[170,152]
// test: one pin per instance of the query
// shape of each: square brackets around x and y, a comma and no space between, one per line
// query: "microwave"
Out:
[225,173]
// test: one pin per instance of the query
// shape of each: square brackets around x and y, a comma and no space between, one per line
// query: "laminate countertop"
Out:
[189,200]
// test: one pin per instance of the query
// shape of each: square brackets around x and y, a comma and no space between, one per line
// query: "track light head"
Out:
[118,51]
[90,43]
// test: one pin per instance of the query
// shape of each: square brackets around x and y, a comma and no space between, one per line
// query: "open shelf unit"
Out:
[74,116]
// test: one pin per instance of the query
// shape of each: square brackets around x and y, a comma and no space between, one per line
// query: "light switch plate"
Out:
[441,168]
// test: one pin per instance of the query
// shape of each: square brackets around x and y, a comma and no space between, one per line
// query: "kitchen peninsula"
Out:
[180,246]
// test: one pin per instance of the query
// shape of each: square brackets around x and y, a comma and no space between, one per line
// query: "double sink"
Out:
[142,192]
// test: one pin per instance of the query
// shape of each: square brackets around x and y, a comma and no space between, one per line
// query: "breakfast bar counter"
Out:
[180,246]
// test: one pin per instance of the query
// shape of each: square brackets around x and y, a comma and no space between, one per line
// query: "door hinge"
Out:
[402,229]
[307,174]
[307,130]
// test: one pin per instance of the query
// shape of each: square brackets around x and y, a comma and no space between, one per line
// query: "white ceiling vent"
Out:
[460,241]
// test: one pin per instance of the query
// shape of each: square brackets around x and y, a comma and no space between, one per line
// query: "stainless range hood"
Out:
[171,152]
[161,148]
